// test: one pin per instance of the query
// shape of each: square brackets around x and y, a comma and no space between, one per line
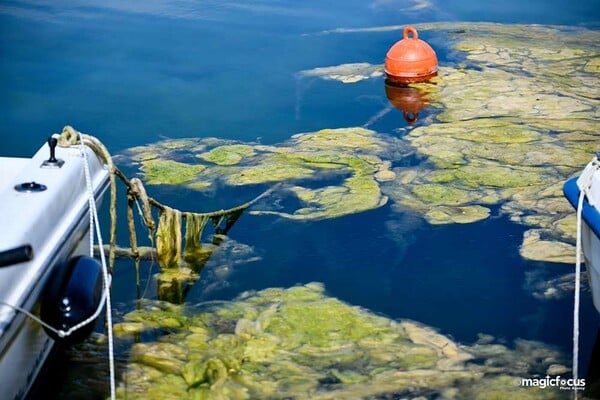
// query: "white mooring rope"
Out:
[94,222]
[577,290]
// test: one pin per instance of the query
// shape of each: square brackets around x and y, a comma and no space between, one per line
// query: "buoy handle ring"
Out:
[411,118]
[410,29]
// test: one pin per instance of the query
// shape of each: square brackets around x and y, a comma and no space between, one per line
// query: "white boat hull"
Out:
[55,223]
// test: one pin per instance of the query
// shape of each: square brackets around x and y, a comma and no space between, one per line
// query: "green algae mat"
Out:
[514,119]
[299,343]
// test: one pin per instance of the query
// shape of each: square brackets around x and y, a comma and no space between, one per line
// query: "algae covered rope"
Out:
[169,230]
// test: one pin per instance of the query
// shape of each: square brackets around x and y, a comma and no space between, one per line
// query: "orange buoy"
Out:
[409,100]
[410,59]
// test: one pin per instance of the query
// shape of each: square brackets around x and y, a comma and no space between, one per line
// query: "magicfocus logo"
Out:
[556,381]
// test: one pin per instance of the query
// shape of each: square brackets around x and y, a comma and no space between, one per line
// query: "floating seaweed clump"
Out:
[346,73]
[300,343]
[227,154]
[354,157]
[159,172]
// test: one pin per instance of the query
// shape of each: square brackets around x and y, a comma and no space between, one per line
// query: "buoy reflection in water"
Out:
[408,99]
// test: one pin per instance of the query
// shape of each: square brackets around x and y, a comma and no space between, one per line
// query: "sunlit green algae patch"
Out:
[159,172]
[300,343]
[227,154]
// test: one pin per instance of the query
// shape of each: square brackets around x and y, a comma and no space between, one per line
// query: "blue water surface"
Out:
[132,73]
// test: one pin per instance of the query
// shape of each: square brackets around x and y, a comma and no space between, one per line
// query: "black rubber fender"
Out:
[71,296]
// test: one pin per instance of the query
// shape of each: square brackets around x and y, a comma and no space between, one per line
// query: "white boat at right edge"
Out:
[583,192]
[589,183]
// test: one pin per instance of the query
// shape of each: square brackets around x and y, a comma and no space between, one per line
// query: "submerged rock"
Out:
[546,286]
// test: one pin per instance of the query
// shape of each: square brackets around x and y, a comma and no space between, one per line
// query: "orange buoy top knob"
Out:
[410,59]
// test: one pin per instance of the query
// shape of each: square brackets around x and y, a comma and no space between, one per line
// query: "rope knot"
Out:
[69,137]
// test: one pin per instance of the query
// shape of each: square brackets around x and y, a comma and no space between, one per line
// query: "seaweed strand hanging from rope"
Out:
[193,253]
[168,238]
